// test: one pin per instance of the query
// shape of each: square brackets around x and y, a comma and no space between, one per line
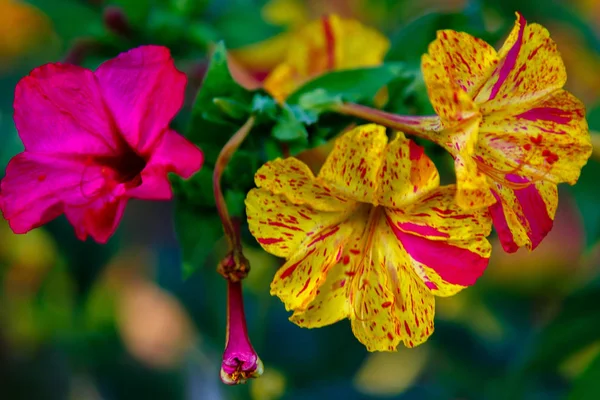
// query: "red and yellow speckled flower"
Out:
[331,43]
[372,238]
[513,131]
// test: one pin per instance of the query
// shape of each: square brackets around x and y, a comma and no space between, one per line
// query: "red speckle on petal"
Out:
[407,328]
[269,240]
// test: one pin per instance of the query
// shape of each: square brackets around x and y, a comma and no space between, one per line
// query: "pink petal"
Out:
[453,264]
[535,220]
[177,154]
[59,109]
[38,186]
[173,153]
[144,91]
[501,226]
[511,58]
[99,219]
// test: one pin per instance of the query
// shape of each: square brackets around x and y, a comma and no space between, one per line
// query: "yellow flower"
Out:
[513,131]
[331,43]
[23,28]
[372,238]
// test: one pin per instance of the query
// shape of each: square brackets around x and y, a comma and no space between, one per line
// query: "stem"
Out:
[408,124]
[224,157]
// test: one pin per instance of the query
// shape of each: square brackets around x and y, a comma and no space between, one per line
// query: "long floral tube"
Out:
[415,125]
[240,361]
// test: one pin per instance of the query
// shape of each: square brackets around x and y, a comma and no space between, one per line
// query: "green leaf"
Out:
[290,126]
[586,386]
[218,83]
[231,108]
[410,42]
[574,328]
[349,85]
[198,231]
[587,191]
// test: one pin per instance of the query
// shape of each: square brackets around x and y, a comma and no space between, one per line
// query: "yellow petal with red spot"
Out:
[438,224]
[353,165]
[377,264]
[448,98]
[472,183]
[550,141]
[523,217]
[438,217]
[530,68]
[297,282]
[468,61]
[406,174]
[282,227]
[293,179]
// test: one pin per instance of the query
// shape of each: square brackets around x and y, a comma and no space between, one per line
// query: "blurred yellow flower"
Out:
[23,28]
[329,44]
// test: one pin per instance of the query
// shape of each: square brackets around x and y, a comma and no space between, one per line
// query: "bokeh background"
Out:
[84,321]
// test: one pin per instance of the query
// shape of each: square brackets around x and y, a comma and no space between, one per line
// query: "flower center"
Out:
[126,167]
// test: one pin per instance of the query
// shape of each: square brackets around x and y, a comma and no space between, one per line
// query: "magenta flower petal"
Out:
[37,186]
[144,91]
[177,154]
[99,219]
[173,153]
[94,141]
[59,109]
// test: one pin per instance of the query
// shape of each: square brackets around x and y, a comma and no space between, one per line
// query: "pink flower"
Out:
[93,140]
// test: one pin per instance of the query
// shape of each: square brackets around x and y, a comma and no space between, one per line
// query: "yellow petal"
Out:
[353,165]
[472,184]
[447,245]
[448,98]
[550,141]
[297,282]
[328,44]
[437,216]
[293,179]
[468,61]
[530,68]
[260,58]
[283,228]
[405,175]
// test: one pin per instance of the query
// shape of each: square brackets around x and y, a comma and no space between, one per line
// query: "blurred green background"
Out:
[84,321]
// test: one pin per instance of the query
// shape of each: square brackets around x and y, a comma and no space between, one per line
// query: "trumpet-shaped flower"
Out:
[513,131]
[328,44]
[93,140]
[372,238]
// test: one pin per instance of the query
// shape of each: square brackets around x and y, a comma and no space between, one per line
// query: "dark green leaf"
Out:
[587,191]
[198,231]
[348,85]
[231,108]
[289,127]
[586,386]
[217,83]
[410,42]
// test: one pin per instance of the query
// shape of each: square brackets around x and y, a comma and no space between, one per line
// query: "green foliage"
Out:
[346,85]
[587,190]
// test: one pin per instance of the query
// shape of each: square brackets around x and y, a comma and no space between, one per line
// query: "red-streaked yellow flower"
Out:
[328,44]
[372,238]
[513,131]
